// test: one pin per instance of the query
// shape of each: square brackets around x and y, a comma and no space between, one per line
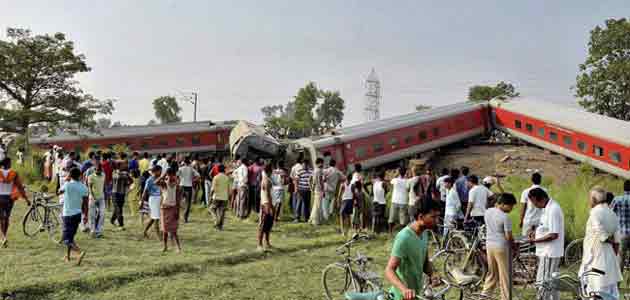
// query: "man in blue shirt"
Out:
[621,207]
[133,163]
[75,202]
[152,195]
[462,188]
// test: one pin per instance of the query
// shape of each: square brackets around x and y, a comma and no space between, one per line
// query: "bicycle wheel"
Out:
[433,241]
[456,242]
[573,255]
[54,224]
[337,280]
[33,220]
[455,261]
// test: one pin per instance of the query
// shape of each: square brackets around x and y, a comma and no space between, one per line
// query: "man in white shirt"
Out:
[295,171]
[398,212]
[187,175]
[414,197]
[163,162]
[332,178]
[530,214]
[477,200]
[548,238]
[600,240]
[441,186]
[453,206]
[240,175]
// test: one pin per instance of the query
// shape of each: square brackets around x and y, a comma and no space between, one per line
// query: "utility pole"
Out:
[192,100]
[195,104]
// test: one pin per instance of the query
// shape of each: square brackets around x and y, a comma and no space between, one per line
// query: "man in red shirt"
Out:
[108,170]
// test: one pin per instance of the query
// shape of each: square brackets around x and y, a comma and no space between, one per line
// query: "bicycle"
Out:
[456,239]
[384,295]
[573,254]
[569,282]
[42,216]
[340,277]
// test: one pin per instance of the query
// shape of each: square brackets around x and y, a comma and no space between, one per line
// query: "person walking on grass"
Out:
[548,238]
[303,205]
[9,180]
[96,207]
[398,212]
[332,178]
[188,175]
[120,187]
[293,185]
[266,211]
[317,186]
[279,180]
[601,245]
[346,198]
[171,195]
[220,193]
[153,194]
[499,240]
[621,207]
[409,259]
[75,203]
[379,188]
[241,178]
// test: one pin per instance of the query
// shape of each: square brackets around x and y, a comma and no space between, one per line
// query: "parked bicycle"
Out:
[43,215]
[569,282]
[428,294]
[341,277]
[455,239]
[573,255]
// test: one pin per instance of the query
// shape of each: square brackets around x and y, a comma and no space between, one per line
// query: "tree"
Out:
[422,107]
[118,124]
[501,90]
[330,112]
[38,85]
[103,123]
[313,111]
[603,82]
[167,110]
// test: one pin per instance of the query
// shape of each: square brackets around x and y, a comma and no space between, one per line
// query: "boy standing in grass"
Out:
[8,180]
[96,184]
[75,202]
[169,207]
[266,210]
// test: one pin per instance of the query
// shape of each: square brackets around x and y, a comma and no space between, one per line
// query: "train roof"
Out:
[143,130]
[570,118]
[384,125]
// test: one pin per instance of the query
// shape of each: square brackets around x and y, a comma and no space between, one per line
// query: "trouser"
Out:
[242,205]
[546,267]
[218,210]
[303,205]
[254,198]
[96,212]
[330,201]
[498,272]
[188,193]
[119,203]
[295,196]
[207,186]
[624,251]
[378,217]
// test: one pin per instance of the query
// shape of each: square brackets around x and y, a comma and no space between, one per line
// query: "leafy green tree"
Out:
[152,122]
[501,90]
[330,111]
[167,110]
[603,82]
[102,123]
[305,102]
[38,84]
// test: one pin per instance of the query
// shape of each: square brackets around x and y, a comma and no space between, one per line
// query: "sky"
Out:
[242,55]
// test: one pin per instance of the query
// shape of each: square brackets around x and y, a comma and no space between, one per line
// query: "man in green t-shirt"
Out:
[96,206]
[409,258]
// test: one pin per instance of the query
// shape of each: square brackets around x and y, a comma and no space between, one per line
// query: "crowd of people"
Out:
[158,187]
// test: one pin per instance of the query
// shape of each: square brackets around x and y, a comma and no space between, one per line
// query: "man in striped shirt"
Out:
[621,207]
[303,205]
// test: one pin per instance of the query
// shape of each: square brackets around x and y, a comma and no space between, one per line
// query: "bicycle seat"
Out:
[463,279]
[365,296]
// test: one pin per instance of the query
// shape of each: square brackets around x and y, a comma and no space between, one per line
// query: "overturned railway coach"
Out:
[387,140]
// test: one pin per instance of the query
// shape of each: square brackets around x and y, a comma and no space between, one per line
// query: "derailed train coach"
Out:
[379,142]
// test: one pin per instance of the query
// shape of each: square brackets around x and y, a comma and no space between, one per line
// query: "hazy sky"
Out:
[242,55]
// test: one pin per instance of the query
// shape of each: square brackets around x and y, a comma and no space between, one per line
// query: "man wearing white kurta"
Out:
[601,235]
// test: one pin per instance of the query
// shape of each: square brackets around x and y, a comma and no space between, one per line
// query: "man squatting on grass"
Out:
[75,203]
[409,258]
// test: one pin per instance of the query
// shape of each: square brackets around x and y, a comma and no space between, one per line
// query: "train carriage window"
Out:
[553,136]
[179,141]
[615,156]
[408,139]
[529,127]
[394,142]
[163,143]
[518,124]
[196,140]
[378,147]
[598,151]
[422,135]
[436,131]
[581,145]
[144,145]
[361,152]
[541,132]
[567,140]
